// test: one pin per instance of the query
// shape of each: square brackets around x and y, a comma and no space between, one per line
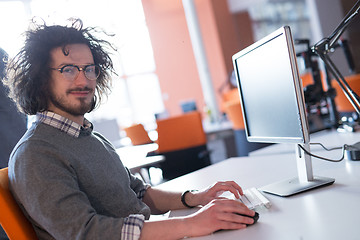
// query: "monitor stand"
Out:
[303,182]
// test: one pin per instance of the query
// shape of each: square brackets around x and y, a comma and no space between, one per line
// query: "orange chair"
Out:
[234,113]
[182,141]
[341,101]
[307,79]
[180,132]
[12,219]
[137,134]
[232,94]
[229,96]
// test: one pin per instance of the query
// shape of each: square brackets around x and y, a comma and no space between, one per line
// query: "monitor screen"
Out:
[270,90]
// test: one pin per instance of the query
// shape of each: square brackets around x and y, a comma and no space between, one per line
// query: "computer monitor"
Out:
[188,106]
[273,105]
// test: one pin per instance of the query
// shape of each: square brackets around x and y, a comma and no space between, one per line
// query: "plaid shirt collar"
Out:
[62,123]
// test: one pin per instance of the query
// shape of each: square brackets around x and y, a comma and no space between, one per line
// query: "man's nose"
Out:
[81,79]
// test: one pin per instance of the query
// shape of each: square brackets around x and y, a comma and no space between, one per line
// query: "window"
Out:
[11,26]
[135,93]
[269,16]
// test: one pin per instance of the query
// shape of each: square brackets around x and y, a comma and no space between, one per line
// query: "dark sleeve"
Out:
[137,185]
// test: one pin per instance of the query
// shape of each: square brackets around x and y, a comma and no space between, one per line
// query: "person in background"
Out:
[12,123]
[66,177]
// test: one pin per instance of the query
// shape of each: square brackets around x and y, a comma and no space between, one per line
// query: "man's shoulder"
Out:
[37,147]
[37,136]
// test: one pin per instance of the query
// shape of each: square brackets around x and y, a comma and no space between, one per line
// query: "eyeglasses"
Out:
[71,72]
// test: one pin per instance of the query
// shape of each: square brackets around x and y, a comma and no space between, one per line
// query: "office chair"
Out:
[234,113]
[307,79]
[182,141]
[12,219]
[342,103]
[228,96]
[137,134]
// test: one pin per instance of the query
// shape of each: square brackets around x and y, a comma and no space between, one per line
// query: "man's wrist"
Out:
[186,198]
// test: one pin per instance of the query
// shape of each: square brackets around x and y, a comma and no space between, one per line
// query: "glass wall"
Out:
[136,93]
[267,16]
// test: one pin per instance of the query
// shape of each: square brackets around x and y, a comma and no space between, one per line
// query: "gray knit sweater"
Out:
[73,188]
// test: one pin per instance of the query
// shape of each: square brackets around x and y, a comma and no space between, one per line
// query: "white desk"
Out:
[330,138]
[210,128]
[134,157]
[330,212]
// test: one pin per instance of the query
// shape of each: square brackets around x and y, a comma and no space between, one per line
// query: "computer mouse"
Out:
[255,217]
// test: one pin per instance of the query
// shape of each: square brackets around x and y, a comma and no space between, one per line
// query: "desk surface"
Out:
[330,138]
[134,157]
[329,212]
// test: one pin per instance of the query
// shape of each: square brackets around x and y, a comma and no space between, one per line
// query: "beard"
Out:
[74,109]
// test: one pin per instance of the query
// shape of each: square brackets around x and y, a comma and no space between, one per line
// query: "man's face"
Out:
[71,99]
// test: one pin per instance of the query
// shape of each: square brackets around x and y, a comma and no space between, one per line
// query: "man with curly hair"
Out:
[67,178]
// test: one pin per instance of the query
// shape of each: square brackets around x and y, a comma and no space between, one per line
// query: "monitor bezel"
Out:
[284,32]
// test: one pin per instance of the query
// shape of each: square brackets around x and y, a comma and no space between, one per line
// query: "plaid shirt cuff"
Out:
[132,226]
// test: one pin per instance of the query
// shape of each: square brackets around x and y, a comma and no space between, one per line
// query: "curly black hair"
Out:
[28,74]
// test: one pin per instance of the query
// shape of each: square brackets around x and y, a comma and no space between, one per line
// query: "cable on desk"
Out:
[323,158]
[327,149]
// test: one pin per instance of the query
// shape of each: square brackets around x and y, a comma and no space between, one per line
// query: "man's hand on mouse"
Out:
[220,214]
